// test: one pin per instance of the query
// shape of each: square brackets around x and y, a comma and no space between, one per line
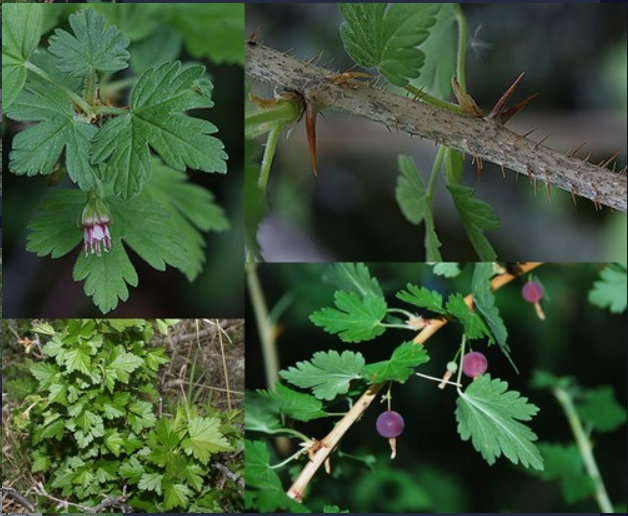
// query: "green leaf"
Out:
[416,205]
[333,509]
[37,149]
[477,216]
[353,277]
[58,393]
[193,474]
[204,439]
[387,40]
[423,298]
[41,461]
[132,470]
[564,463]
[151,482]
[114,442]
[261,413]
[192,209]
[156,357]
[92,48]
[295,405]
[225,23]
[474,326]
[411,193]
[491,417]
[440,54]
[158,100]
[55,232]
[401,365]
[610,291]
[78,359]
[164,444]
[140,416]
[21,30]
[446,270]
[45,373]
[122,363]
[176,495]
[160,47]
[484,301]
[264,482]
[328,374]
[599,408]
[356,319]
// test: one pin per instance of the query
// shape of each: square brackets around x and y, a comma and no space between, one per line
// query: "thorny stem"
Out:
[332,439]
[584,445]
[478,137]
[80,102]
[264,327]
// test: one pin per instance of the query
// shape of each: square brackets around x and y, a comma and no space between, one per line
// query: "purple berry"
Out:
[474,364]
[532,292]
[390,424]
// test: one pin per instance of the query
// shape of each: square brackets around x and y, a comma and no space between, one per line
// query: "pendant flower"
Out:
[96,219]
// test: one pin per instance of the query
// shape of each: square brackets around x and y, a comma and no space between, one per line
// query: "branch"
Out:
[236,479]
[481,138]
[18,498]
[332,439]
[109,501]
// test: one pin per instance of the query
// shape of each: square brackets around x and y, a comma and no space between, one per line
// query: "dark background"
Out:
[574,56]
[577,339]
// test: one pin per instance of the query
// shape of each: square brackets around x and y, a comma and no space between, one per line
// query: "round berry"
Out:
[474,364]
[532,292]
[390,424]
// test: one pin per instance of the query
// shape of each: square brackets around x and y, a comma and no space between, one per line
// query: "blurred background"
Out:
[574,56]
[41,286]
[435,471]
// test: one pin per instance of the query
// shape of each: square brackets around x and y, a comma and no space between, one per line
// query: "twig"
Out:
[237,479]
[109,501]
[17,497]
[318,458]
[480,137]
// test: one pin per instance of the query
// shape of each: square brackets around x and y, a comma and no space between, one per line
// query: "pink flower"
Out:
[96,236]
[96,220]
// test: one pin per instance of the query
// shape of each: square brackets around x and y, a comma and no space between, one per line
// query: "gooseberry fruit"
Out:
[389,424]
[474,364]
[532,292]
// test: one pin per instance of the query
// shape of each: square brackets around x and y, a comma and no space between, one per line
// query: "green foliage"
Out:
[155,119]
[94,430]
[328,374]
[610,291]
[355,319]
[91,48]
[132,159]
[564,463]
[353,277]
[476,216]
[387,39]
[401,365]
[490,415]
[21,29]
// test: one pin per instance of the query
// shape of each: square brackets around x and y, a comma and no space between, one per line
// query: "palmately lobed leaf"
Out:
[401,365]
[93,46]
[328,374]
[355,319]
[204,439]
[156,120]
[490,415]
[21,30]
[353,277]
[37,149]
[387,39]
[294,404]
[610,290]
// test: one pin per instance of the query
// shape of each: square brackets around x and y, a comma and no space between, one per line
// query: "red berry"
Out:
[532,292]
[390,424]
[474,364]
